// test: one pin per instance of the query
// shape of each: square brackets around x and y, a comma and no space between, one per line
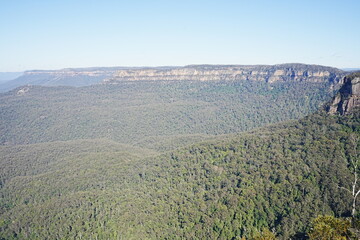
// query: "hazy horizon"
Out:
[231,119]
[57,35]
[90,67]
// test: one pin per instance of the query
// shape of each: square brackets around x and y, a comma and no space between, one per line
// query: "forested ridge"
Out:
[279,178]
[172,161]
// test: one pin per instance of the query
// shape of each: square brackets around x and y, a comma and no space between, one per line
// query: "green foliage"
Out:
[141,112]
[102,181]
[278,178]
[329,227]
[266,234]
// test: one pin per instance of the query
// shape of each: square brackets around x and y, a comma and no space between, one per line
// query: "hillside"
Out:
[136,159]
[277,177]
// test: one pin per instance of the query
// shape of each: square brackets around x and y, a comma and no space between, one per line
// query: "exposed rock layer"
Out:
[111,75]
[348,96]
[284,72]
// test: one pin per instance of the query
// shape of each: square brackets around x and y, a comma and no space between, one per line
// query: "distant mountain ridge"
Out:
[268,73]
[7,76]
[77,77]
[64,77]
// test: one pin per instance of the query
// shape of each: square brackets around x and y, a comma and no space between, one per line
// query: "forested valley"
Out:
[177,160]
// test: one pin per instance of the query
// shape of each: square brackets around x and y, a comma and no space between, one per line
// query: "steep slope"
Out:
[267,73]
[277,177]
[348,97]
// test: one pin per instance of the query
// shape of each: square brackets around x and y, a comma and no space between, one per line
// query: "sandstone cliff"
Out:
[268,73]
[111,75]
[348,96]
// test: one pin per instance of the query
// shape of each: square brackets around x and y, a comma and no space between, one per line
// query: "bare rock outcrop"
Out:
[268,73]
[348,97]
[78,77]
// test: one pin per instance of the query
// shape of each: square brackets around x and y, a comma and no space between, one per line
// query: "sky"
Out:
[57,34]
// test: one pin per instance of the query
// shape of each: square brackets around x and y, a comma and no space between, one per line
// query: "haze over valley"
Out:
[179,120]
[152,152]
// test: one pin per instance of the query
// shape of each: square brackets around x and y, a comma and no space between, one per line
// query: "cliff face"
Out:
[87,76]
[284,72]
[348,96]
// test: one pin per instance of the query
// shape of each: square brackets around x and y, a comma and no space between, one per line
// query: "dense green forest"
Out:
[161,160]
[279,178]
[144,113]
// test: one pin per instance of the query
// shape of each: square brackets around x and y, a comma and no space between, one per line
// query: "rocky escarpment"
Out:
[112,75]
[268,73]
[348,97]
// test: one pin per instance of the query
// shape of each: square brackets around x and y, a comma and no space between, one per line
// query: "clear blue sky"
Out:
[53,34]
